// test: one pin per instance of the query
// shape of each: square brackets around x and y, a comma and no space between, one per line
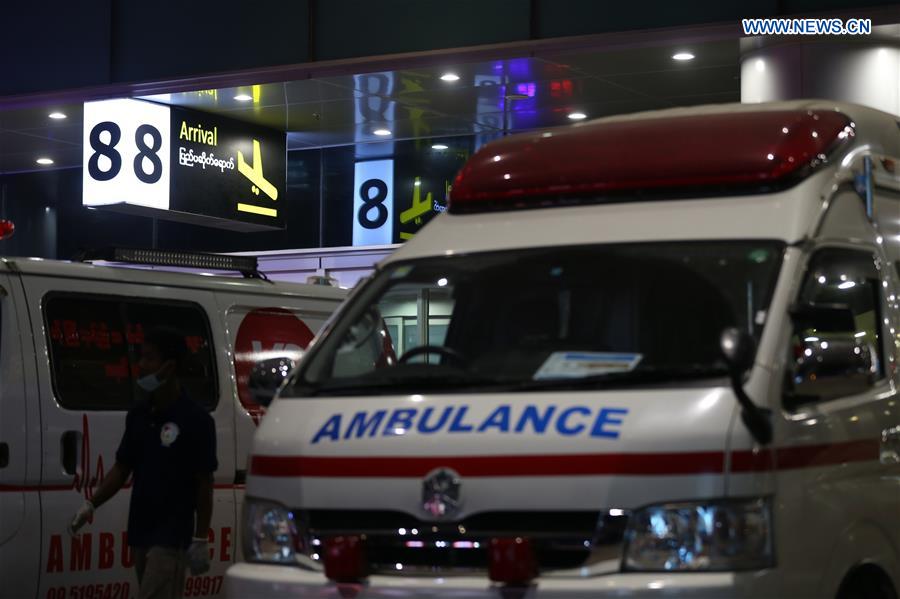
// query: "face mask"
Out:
[149,383]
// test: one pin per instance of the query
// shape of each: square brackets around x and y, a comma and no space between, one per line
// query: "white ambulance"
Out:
[651,355]
[70,337]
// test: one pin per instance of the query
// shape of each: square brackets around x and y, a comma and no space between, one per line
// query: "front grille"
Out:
[397,543]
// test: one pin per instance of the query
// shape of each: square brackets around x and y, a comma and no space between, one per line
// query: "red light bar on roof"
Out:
[684,154]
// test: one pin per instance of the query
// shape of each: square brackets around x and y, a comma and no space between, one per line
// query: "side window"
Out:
[837,342]
[95,344]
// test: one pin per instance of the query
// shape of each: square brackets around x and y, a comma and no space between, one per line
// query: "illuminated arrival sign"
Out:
[177,164]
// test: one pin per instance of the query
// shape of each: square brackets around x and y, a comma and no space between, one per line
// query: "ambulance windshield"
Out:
[545,317]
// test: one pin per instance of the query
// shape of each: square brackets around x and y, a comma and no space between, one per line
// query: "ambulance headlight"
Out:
[270,532]
[709,536]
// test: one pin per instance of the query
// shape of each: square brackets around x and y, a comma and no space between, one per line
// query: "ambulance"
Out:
[70,337]
[649,355]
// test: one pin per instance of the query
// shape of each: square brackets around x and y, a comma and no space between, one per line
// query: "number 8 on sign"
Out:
[107,150]
[126,154]
[148,153]
[373,202]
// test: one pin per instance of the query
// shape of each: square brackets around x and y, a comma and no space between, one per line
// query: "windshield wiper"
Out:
[647,374]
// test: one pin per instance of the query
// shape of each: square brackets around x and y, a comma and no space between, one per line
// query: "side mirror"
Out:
[738,348]
[825,318]
[267,377]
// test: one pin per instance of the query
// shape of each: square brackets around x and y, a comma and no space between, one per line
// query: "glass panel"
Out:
[556,313]
[95,347]
[198,372]
[437,333]
[410,335]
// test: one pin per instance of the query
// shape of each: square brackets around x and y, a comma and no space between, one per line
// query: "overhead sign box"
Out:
[183,165]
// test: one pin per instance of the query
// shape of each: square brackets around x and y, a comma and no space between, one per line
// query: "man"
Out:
[170,445]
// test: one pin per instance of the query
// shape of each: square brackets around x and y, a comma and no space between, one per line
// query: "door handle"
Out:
[4,455]
[890,445]
[68,451]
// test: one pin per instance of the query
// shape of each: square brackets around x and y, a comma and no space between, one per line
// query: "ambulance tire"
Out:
[867,582]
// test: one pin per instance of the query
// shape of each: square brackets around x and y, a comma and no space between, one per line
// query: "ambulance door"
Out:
[88,336]
[261,327]
[19,449]
[836,489]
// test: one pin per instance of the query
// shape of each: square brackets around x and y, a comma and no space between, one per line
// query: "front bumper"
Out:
[258,580]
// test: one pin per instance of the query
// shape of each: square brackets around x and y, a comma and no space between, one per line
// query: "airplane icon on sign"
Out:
[255,173]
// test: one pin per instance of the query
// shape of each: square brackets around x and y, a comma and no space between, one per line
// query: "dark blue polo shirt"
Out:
[166,451]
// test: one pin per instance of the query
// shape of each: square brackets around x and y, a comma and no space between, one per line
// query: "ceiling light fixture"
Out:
[440,147]
[57,116]
[683,56]
[577,116]
[44,161]
[450,77]
[382,132]
[243,98]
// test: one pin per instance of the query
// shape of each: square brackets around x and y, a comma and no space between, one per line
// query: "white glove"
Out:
[198,555]
[84,513]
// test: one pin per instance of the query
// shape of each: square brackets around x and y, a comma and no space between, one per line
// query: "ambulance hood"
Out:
[494,452]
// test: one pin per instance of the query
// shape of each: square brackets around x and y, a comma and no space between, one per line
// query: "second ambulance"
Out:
[651,355]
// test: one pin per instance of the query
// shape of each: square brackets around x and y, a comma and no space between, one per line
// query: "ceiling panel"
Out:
[672,84]
[525,120]
[497,72]
[489,96]
[38,118]
[652,59]
[257,96]
[426,126]
[20,152]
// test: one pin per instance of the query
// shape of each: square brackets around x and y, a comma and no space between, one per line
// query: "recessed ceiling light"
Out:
[577,116]
[44,161]
[243,98]
[440,147]
[683,56]
[449,77]
[382,132]
[57,115]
